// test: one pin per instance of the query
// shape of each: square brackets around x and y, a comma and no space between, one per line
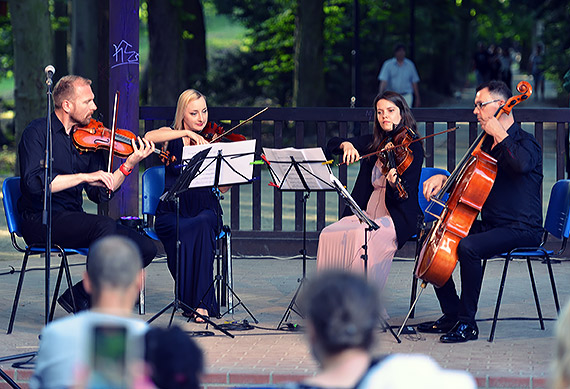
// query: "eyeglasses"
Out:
[481,105]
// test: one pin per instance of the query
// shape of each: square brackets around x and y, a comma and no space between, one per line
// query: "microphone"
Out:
[49,71]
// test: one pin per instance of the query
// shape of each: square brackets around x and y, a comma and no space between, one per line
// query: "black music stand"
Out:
[181,185]
[371,226]
[224,174]
[298,170]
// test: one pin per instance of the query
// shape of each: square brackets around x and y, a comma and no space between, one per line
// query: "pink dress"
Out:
[340,244]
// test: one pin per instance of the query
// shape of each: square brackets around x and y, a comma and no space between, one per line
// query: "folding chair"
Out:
[11,193]
[426,173]
[557,224]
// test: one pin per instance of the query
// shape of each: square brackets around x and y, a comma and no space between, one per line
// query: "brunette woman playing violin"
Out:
[511,216]
[340,244]
[73,172]
[199,208]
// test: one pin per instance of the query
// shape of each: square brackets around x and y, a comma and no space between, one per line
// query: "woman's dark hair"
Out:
[405,112]
[175,360]
[344,310]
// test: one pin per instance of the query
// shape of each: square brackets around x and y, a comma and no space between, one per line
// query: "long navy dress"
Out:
[199,212]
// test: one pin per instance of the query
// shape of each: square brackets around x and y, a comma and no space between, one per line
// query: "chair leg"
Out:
[142,294]
[499,297]
[536,301]
[63,267]
[553,283]
[18,291]
[56,291]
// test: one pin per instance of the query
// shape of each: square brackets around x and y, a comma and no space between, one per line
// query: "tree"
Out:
[177,58]
[309,78]
[32,52]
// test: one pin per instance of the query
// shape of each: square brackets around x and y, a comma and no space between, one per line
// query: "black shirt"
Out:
[66,160]
[514,200]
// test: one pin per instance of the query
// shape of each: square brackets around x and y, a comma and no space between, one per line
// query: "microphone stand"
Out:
[46,213]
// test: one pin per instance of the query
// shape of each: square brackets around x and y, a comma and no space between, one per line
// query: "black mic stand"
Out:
[371,226]
[303,252]
[46,213]
[220,279]
[181,185]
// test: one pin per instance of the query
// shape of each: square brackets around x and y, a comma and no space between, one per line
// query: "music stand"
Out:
[181,185]
[303,170]
[371,225]
[216,171]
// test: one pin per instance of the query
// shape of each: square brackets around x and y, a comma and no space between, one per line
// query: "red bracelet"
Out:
[124,170]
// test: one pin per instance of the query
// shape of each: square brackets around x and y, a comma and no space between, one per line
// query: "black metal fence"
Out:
[312,127]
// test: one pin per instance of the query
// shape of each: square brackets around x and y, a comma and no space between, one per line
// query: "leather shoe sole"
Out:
[461,333]
[441,326]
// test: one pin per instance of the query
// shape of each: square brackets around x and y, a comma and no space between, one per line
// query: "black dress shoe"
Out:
[82,299]
[440,326]
[462,332]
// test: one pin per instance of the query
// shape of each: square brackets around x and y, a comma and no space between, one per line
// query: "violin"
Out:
[96,136]
[213,132]
[398,157]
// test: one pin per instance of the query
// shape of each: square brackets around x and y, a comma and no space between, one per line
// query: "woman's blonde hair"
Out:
[185,98]
[561,364]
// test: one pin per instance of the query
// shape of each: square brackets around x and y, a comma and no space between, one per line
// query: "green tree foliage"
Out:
[446,35]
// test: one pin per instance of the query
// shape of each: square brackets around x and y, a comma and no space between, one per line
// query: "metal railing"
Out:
[312,127]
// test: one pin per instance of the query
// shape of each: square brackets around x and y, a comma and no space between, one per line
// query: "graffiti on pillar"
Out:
[124,55]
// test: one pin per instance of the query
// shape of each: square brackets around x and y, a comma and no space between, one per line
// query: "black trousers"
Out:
[481,243]
[80,229]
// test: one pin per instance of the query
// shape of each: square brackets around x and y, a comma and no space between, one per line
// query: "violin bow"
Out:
[238,125]
[395,147]
[113,128]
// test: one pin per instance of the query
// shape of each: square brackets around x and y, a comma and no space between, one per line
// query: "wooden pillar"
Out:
[119,71]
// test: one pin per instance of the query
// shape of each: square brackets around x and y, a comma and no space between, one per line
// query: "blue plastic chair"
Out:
[152,189]
[426,173]
[557,224]
[11,193]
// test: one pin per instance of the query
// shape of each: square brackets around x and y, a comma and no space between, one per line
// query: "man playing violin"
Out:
[510,217]
[73,172]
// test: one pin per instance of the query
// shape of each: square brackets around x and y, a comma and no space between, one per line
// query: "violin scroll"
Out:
[525,89]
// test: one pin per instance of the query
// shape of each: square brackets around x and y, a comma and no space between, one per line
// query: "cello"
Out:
[472,181]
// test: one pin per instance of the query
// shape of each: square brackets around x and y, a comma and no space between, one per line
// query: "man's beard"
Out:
[81,122]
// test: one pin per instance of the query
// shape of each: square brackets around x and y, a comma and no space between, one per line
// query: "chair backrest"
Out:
[557,221]
[11,193]
[426,173]
[152,188]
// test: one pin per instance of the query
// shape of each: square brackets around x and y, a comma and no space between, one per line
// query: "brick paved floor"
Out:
[519,356]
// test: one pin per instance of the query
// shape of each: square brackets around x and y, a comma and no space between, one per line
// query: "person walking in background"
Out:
[481,64]
[399,74]
[537,70]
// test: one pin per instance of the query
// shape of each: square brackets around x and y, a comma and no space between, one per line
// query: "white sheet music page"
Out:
[235,167]
[310,163]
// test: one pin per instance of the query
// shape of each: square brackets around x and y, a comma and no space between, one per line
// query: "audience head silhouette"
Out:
[342,311]
[113,263]
[174,359]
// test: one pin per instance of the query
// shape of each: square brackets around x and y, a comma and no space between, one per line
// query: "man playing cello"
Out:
[510,217]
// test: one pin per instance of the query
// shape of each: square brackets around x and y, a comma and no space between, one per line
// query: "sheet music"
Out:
[235,168]
[310,163]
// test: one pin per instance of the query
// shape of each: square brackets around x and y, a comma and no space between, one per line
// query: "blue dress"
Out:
[199,215]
